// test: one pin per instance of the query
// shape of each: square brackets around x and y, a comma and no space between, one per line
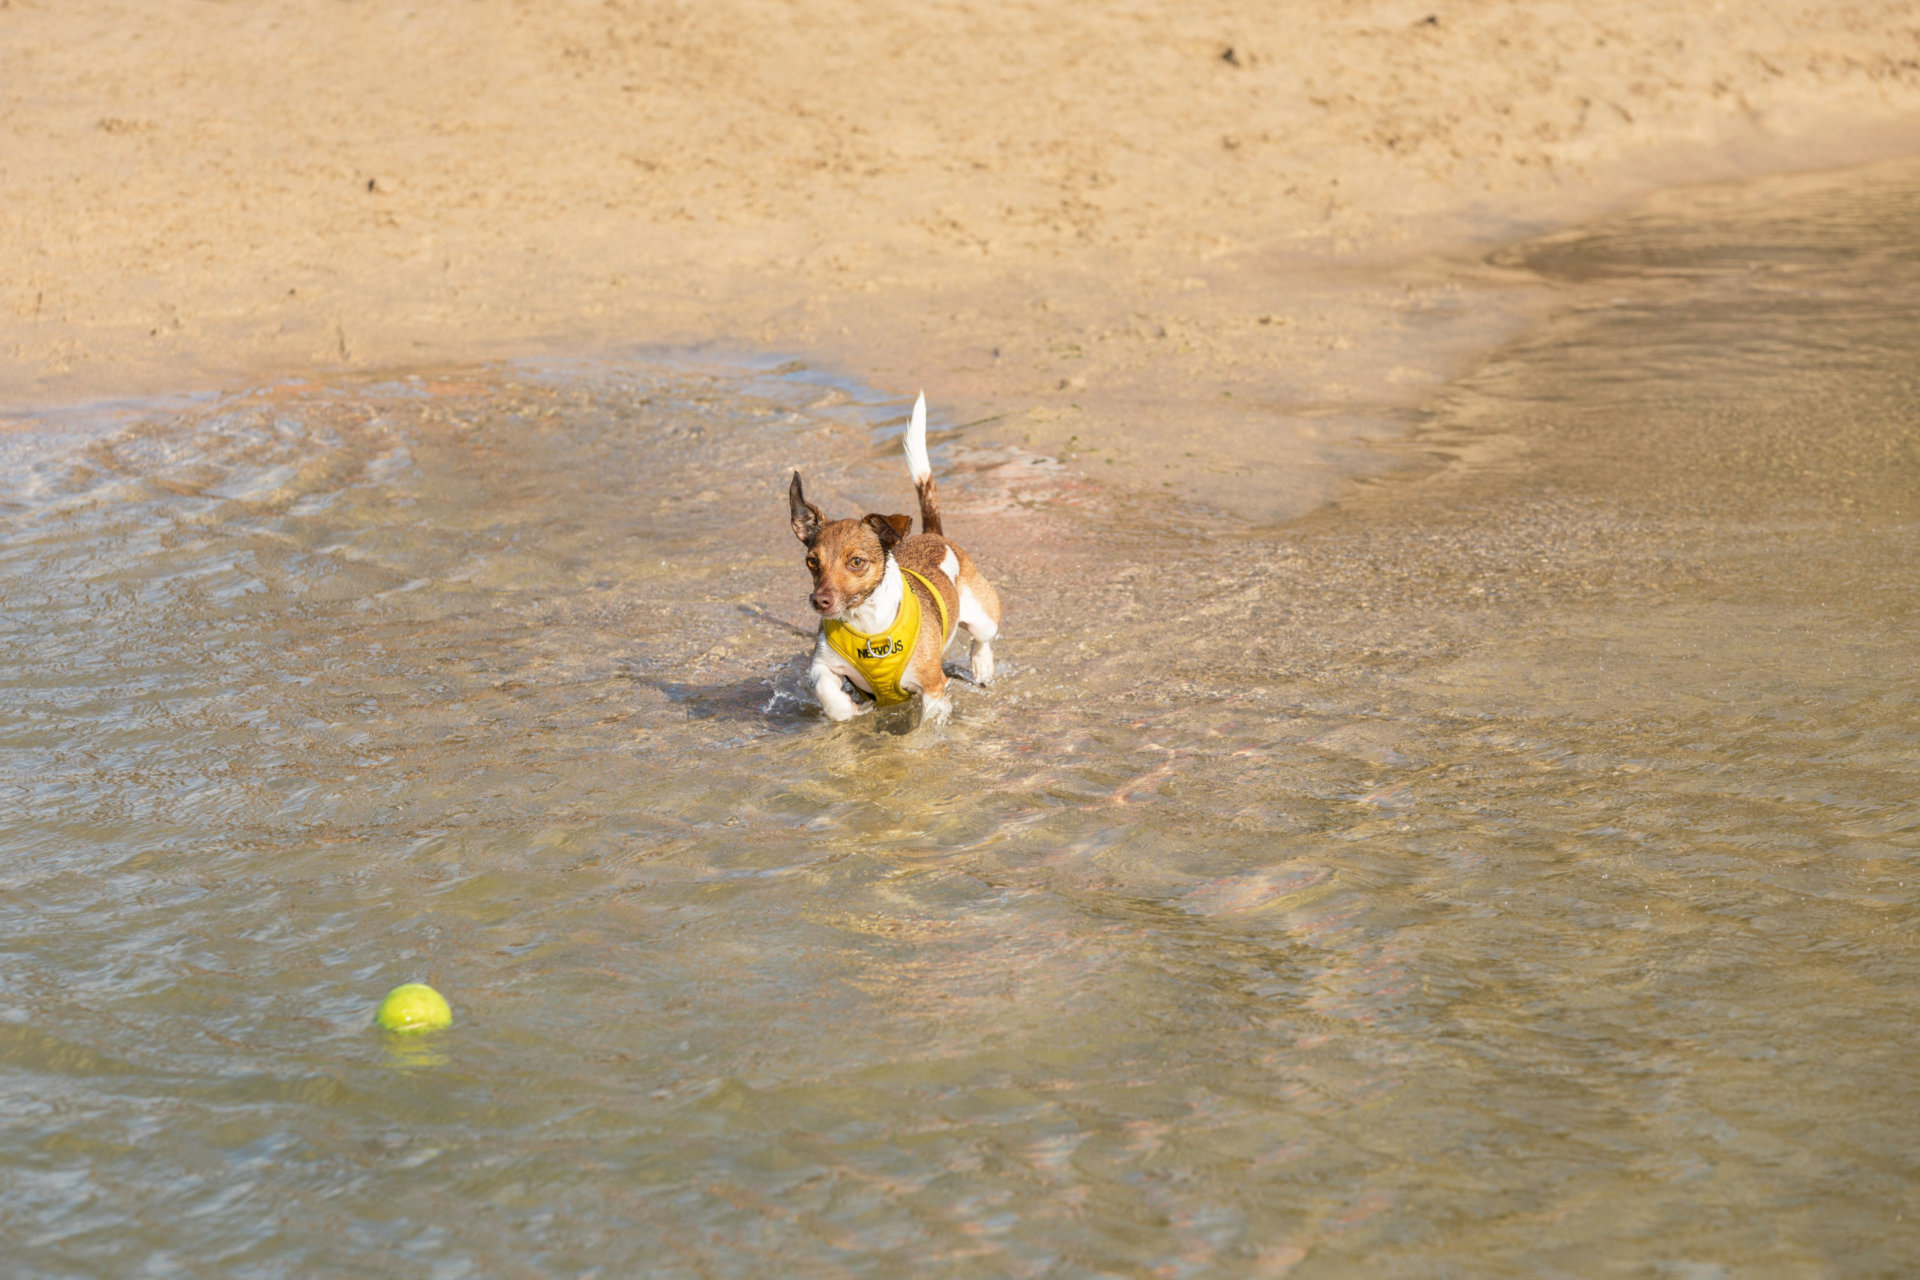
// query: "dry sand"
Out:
[1199,245]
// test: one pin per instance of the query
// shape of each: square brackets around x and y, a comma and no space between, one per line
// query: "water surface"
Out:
[1511,871]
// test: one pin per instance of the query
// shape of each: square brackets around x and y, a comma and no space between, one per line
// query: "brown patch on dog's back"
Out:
[925,553]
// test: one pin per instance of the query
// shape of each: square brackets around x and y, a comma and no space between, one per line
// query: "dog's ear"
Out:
[806,517]
[889,529]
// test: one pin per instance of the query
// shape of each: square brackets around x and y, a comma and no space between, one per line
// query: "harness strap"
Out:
[939,602]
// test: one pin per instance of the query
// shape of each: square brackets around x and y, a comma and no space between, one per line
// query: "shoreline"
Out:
[1223,278]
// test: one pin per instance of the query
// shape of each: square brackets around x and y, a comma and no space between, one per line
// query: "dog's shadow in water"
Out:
[781,700]
[781,703]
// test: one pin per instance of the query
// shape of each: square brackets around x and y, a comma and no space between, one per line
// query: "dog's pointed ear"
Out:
[889,529]
[806,517]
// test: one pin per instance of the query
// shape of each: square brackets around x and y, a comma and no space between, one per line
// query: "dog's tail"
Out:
[921,469]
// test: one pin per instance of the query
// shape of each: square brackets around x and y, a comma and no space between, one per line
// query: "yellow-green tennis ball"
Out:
[413,1007]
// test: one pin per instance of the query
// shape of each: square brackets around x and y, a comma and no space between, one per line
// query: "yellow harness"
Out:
[881,659]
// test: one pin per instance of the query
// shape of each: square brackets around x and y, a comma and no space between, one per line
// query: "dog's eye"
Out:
[857,562]
[813,562]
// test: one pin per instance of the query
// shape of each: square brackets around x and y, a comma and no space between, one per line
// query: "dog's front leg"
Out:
[834,699]
[936,704]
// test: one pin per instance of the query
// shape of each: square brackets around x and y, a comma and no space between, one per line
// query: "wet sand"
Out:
[1186,247]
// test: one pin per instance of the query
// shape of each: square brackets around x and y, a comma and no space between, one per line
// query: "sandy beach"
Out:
[1208,248]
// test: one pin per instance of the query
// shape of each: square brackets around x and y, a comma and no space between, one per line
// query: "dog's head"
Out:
[847,558]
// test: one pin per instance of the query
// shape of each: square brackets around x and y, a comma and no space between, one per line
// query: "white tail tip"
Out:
[917,441]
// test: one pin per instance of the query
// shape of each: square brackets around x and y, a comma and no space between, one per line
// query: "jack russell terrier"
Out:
[889,599]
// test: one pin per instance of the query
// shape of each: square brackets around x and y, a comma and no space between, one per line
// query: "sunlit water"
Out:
[1510,872]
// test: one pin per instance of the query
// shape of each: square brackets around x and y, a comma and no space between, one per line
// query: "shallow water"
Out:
[1509,872]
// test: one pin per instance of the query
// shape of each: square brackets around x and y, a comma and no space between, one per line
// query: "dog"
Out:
[890,600]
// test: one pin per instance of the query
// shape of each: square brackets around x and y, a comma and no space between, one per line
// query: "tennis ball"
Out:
[412,1007]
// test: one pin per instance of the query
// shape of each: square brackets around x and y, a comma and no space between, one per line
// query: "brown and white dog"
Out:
[872,577]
